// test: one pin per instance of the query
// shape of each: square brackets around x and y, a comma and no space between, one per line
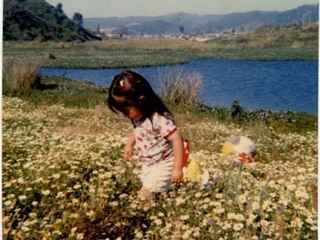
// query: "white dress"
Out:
[155,151]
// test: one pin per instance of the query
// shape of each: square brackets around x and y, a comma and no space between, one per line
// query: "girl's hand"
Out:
[128,151]
[176,175]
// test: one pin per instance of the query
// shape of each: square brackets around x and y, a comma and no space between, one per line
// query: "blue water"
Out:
[274,85]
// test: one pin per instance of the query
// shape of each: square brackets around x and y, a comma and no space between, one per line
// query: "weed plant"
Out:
[180,87]
[19,75]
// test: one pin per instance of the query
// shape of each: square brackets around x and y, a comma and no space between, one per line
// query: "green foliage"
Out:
[78,18]
[280,121]
[38,20]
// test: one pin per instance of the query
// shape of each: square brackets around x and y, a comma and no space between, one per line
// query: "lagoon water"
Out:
[274,85]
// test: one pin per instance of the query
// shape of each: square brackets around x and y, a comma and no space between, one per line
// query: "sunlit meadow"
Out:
[64,178]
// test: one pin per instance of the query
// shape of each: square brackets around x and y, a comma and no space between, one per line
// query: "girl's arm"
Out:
[128,149]
[176,139]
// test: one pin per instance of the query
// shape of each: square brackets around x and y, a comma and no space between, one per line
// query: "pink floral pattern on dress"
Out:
[151,138]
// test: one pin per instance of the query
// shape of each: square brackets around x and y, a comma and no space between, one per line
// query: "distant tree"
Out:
[236,109]
[97,28]
[77,18]
[181,29]
[59,7]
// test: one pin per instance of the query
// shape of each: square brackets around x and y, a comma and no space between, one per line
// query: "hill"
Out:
[38,20]
[199,24]
[270,37]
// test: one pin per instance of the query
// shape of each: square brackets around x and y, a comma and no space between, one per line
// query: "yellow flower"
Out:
[237,226]
[80,236]
[186,234]
[219,210]
[219,195]
[184,217]
[301,194]
[139,235]
[296,223]
[158,222]
[266,205]
[251,218]
[231,216]
[90,213]
[179,201]
[20,180]
[45,192]
[226,226]
[242,199]
[25,229]
[239,217]
[198,194]
[56,176]
[7,203]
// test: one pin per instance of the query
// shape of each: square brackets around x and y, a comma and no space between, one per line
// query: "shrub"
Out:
[236,109]
[182,88]
[20,75]
[50,56]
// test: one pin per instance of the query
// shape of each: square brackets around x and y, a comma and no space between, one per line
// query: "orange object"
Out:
[244,158]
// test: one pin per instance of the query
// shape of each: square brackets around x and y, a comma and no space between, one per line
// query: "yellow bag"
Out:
[193,171]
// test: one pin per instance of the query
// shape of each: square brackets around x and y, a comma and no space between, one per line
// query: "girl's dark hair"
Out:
[131,89]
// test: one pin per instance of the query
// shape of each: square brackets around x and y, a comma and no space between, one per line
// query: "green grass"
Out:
[84,95]
[59,90]
[70,93]
[83,58]
[269,43]
[268,37]
[64,175]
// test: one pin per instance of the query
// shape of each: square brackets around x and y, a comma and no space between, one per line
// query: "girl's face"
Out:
[133,113]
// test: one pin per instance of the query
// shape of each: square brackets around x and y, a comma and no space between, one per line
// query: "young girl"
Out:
[155,135]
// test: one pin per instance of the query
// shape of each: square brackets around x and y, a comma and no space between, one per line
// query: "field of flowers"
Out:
[64,178]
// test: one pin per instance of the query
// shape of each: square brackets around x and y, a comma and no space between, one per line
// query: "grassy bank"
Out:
[86,56]
[82,94]
[270,43]
[64,176]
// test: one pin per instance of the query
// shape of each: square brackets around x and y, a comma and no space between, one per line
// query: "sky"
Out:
[124,8]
